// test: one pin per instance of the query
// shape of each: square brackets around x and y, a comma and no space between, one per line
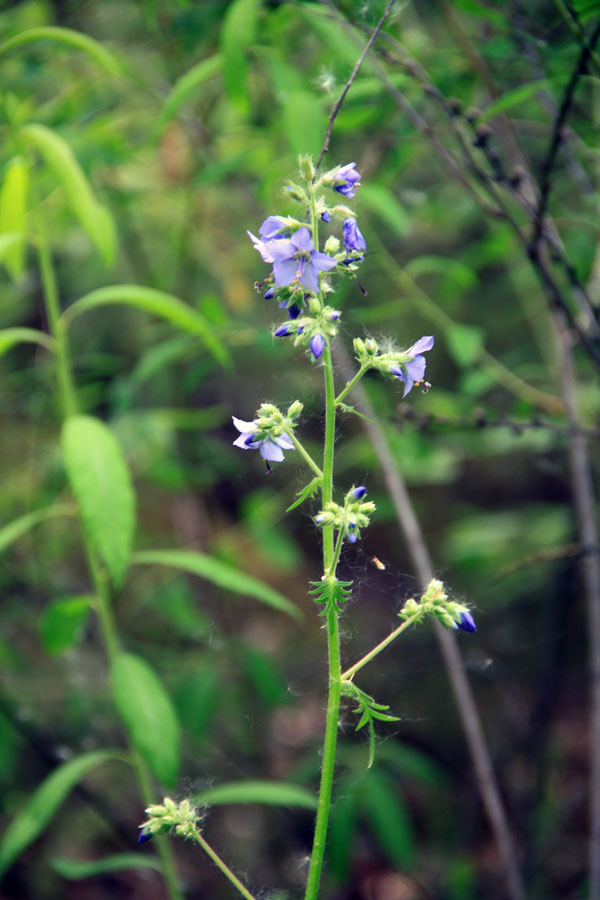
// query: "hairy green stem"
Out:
[353,381]
[305,454]
[98,578]
[336,553]
[223,867]
[349,673]
[333,635]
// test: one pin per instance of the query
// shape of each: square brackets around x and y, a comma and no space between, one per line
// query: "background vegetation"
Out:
[186,123]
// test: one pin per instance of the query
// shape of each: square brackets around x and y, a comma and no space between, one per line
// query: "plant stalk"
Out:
[223,867]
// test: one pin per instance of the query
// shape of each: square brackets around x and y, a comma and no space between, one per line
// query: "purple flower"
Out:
[269,293]
[467,622]
[251,439]
[351,180]
[293,311]
[326,215]
[268,232]
[414,368]
[317,345]
[334,315]
[282,331]
[359,492]
[351,533]
[353,239]
[295,260]
[144,836]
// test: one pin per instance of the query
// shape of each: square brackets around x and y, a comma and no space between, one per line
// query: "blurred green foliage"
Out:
[149,136]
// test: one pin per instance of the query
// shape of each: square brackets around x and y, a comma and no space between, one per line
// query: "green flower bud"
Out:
[295,409]
[307,169]
[332,245]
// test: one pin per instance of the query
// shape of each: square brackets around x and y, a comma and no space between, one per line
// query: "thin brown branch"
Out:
[350,81]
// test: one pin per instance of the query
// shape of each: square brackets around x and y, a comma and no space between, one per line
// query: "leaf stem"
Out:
[336,553]
[364,368]
[305,454]
[349,673]
[223,866]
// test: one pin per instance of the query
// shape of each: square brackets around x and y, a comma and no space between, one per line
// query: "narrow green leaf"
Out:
[94,217]
[16,529]
[62,622]
[148,714]
[307,491]
[273,793]
[69,37]
[157,303]
[219,573]
[513,98]
[237,34]
[13,210]
[461,274]
[100,481]
[304,122]
[11,336]
[383,203]
[385,809]
[78,869]
[185,87]
[465,343]
[44,802]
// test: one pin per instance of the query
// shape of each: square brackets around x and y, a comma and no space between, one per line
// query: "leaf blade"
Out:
[184,87]
[67,36]
[78,869]
[13,211]
[272,793]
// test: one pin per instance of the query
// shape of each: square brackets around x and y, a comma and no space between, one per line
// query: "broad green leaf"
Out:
[156,303]
[237,34]
[94,217]
[62,622]
[101,483]
[78,869]
[185,87]
[11,336]
[304,122]
[148,714]
[44,802]
[273,793]
[383,203]
[386,811]
[69,37]
[465,343]
[13,210]
[17,528]
[219,573]
[513,98]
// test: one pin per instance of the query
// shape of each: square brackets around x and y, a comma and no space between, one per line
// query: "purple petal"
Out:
[310,278]
[352,536]
[317,345]
[321,261]
[261,247]
[269,293]
[423,344]
[467,622]
[293,311]
[282,331]
[279,250]
[270,227]
[242,442]
[326,215]
[270,450]
[285,271]
[303,240]
[359,492]
[285,441]
[144,836]
[416,368]
[243,426]
[353,239]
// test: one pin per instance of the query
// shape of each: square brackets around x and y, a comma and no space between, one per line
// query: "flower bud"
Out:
[307,169]
[296,193]
[359,346]
[359,492]
[295,409]
[371,346]
[332,245]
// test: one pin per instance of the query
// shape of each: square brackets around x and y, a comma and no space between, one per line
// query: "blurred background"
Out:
[184,167]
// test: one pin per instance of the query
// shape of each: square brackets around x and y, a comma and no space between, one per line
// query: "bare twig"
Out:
[417,549]
[350,81]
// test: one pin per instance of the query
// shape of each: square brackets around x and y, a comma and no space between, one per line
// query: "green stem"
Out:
[305,454]
[336,553]
[223,867]
[364,368]
[349,673]
[98,578]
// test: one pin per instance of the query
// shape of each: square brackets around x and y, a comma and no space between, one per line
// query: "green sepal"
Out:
[350,409]
[306,492]
[369,711]
[331,592]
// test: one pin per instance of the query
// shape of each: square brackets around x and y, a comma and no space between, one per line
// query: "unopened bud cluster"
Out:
[272,423]
[435,604]
[181,817]
[350,517]
[313,330]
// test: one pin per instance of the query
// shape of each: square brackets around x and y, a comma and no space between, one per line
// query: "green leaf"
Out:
[513,98]
[11,336]
[465,343]
[13,210]
[453,269]
[157,303]
[219,573]
[148,714]
[307,491]
[100,481]
[304,122]
[69,37]
[273,793]
[62,622]
[78,869]
[331,592]
[237,35]
[385,809]
[185,87]
[17,528]
[383,203]
[44,802]
[94,217]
